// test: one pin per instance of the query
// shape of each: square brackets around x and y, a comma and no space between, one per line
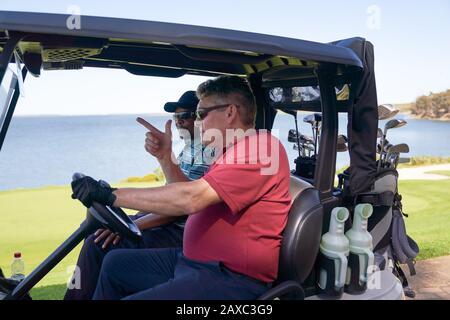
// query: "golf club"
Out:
[379,133]
[386,111]
[393,153]
[398,148]
[342,143]
[315,121]
[391,124]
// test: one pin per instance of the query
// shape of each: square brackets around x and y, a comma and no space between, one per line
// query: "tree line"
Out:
[433,106]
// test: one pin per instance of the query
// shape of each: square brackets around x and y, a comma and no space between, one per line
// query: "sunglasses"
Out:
[203,113]
[186,115]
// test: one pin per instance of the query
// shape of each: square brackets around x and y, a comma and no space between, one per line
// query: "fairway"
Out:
[426,202]
[36,221]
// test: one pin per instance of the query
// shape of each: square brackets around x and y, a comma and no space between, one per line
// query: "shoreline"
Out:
[405,173]
[122,184]
[416,117]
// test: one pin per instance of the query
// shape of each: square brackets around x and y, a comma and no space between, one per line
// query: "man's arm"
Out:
[175,199]
[145,222]
[172,171]
[153,220]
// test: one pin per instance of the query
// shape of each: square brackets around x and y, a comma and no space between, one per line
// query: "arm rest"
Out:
[290,289]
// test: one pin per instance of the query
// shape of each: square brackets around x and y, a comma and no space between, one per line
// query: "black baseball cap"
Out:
[187,101]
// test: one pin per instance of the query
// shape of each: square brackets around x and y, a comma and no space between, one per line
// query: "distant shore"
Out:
[417,117]
[405,108]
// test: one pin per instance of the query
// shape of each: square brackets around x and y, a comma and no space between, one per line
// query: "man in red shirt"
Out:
[237,211]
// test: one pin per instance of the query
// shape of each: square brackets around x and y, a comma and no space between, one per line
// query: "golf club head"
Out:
[379,133]
[384,155]
[341,147]
[386,111]
[399,148]
[308,146]
[312,118]
[342,143]
[342,139]
[387,146]
[304,148]
[306,139]
[394,160]
[379,147]
[394,123]
[292,135]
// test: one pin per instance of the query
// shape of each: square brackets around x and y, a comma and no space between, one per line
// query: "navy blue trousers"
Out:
[166,274]
[91,256]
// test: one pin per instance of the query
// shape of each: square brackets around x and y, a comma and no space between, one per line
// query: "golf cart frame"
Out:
[36,41]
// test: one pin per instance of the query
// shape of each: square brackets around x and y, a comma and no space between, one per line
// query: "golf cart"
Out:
[285,74]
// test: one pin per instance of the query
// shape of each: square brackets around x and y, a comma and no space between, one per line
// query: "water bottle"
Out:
[361,258]
[334,250]
[17,267]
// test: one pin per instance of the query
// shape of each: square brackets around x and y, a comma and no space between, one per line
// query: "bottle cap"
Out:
[17,255]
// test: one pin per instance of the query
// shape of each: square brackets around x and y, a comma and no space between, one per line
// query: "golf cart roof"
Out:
[164,49]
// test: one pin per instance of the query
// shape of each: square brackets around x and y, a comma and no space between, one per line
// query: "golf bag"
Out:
[391,244]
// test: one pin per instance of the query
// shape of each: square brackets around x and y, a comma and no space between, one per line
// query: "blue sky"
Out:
[411,40]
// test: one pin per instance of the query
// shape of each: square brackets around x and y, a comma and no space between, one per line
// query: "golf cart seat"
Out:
[300,244]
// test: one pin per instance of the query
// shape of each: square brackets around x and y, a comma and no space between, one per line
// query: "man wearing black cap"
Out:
[191,160]
[158,231]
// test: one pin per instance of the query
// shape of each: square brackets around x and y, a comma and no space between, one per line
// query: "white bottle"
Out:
[360,248]
[334,247]
[18,267]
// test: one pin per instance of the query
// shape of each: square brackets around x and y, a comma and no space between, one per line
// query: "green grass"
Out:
[424,161]
[51,292]
[441,172]
[428,207]
[36,221]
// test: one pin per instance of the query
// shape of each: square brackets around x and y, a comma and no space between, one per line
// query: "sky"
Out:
[411,40]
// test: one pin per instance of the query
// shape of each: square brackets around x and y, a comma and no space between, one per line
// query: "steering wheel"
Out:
[112,218]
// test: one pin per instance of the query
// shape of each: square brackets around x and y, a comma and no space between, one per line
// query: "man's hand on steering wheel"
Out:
[88,190]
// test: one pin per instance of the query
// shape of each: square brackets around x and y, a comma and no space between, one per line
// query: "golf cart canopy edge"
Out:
[108,42]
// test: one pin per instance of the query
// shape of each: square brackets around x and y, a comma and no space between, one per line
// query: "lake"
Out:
[40,151]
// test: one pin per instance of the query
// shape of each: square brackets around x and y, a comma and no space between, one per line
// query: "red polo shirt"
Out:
[244,231]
